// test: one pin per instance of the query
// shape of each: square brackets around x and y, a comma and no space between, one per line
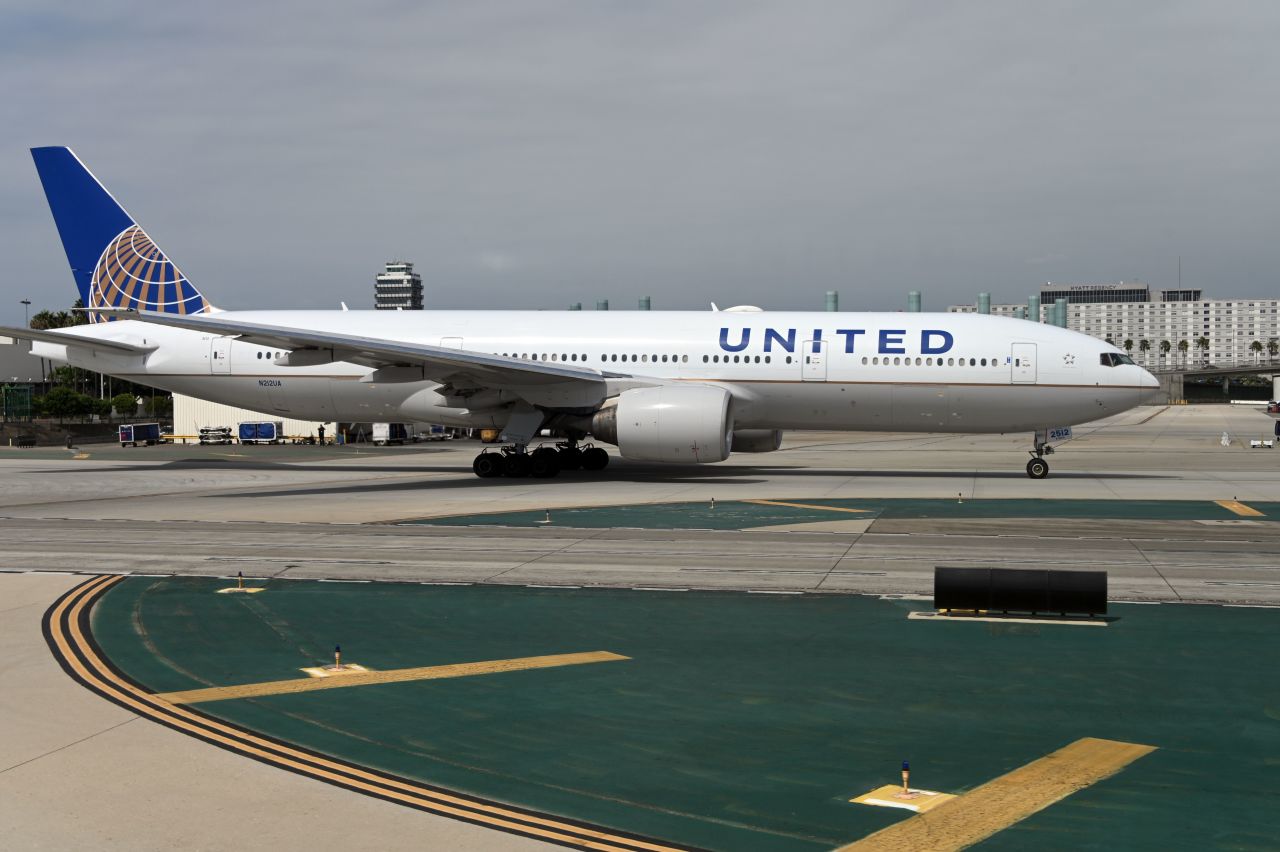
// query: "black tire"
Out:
[1037,468]
[594,459]
[519,465]
[544,463]
[570,458]
[489,465]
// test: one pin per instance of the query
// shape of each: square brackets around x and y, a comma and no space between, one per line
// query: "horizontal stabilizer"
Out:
[71,339]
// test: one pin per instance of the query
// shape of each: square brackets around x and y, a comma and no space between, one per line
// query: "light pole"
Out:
[26,313]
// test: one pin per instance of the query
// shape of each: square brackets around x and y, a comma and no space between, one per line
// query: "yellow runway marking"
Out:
[1240,508]
[998,804]
[282,687]
[808,506]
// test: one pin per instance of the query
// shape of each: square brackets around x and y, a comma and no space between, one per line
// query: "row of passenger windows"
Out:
[749,359]
[929,362]
[665,359]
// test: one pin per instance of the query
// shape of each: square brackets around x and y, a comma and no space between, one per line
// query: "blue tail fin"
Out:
[115,263]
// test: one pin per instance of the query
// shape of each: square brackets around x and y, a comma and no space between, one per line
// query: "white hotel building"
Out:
[1132,312]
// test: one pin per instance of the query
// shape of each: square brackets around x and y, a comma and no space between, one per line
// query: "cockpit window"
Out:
[1114,359]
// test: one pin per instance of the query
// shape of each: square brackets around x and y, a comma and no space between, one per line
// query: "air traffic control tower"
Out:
[398,288]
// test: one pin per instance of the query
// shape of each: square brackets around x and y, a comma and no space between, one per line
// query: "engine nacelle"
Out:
[757,440]
[691,424]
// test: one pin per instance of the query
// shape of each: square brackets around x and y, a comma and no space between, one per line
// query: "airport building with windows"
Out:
[1237,331]
[398,288]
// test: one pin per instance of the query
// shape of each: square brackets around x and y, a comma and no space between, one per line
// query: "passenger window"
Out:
[684,359]
[864,360]
[766,359]
[706,358]
[788,359]
[917,362]
[897,361]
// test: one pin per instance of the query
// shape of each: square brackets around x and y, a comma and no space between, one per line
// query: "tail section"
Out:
[115,263]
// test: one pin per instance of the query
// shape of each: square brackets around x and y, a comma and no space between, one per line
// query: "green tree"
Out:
[102,408]
[1183,346]
[1202,343]
[63,402]
[159,406]
[1165,346]
[45,320]
[1128,346]
[125,404]
[1144,346]
[1256,348]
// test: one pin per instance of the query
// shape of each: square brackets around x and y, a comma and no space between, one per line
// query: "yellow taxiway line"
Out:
[808,506]
[998,804]
[365,678]
[66,627]
[1240,508]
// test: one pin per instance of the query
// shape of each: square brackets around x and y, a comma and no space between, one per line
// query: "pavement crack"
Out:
[69,745]
[1159,573]
[541,556]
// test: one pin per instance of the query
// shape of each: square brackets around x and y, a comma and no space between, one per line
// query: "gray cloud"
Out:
[537,154]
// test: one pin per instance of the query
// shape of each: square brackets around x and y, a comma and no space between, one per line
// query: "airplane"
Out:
[681,387]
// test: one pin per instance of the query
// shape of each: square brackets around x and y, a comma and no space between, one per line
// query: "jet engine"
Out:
[691,424]
[757,440]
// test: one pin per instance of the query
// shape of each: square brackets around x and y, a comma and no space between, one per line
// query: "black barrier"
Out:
[1029,590]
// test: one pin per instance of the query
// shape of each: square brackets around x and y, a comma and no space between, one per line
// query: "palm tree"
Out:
[1256,348]
[1128,346]
[1273,347]
[1144,346]
[1202,343]
[1183,346]
[1165,346]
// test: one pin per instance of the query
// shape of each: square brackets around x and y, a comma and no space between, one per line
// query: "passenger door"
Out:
[1022,362]
[813,366]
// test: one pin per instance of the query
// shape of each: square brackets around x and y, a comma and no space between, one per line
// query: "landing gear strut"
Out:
[1038,468]
[516,462]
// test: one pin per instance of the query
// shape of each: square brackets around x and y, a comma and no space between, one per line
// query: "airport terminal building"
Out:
[1133,311]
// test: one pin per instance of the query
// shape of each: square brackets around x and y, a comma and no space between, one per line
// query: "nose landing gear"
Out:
[1038,468]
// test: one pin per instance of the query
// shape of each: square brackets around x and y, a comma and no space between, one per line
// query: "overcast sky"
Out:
[534,154]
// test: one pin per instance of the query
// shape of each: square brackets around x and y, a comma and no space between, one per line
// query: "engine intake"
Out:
[692,424]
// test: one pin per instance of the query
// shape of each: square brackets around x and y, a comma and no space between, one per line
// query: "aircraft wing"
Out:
[538,382]
[68,338]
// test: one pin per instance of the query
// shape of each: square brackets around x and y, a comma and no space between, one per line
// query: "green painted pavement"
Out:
[744,721]
[733,515]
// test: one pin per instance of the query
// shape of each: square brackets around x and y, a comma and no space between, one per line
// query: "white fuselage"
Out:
[868,371]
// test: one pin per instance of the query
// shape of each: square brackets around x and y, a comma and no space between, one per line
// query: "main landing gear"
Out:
[517,462]
[1038,468]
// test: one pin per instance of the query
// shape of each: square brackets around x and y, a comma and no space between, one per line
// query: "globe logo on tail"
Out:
[134,273]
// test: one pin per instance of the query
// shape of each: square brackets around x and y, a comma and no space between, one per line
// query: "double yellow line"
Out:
[66,629]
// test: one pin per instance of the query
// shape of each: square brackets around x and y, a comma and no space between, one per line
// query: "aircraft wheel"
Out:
[488,465]
[570,459]
[594,459]
[518,465]
[544,463]
[1037,468]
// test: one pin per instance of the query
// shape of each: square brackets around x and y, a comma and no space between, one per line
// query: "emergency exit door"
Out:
[1022,361]
[813,361]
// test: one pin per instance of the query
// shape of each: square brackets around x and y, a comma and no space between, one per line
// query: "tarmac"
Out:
[311,513]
